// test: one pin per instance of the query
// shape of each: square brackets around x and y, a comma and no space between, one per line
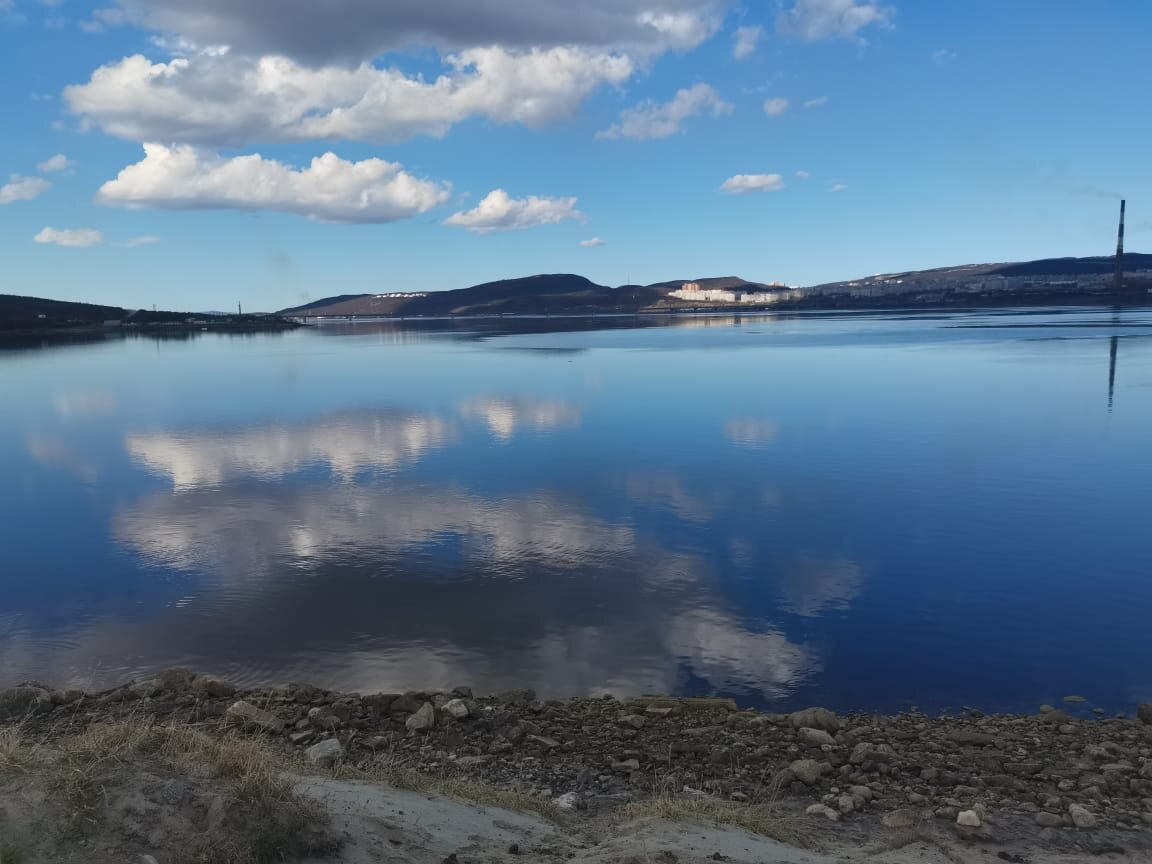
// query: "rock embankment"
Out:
[1054,771]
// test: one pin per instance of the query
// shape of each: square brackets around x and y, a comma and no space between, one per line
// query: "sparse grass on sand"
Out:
[448,785]
[263,820]
[762,819]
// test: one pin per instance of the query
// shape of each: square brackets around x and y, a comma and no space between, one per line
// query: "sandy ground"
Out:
[386,825]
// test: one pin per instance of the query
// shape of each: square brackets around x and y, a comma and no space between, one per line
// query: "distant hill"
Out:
[17,312]
[327,301]
[1048,280]
[551,293]
[1134,261]
[38,316]
[547,293]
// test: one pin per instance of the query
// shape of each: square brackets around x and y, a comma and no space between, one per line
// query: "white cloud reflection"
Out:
[811,585]
[505,415]
[751,432]
[240,536]
[84,403]
[346,443]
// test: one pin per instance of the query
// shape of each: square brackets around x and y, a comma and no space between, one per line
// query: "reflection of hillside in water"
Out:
[405,331]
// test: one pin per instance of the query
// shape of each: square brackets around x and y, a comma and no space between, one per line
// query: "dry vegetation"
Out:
[447,785]
[763,819]
[82,775]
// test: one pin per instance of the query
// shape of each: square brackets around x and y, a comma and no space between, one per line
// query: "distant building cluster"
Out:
[695,292]
[401,295]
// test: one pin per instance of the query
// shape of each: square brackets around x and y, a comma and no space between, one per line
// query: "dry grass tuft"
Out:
[451,786]
[264,821]
[762,819]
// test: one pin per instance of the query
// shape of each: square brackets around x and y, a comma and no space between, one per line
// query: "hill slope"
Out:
[17,311]
[546,293]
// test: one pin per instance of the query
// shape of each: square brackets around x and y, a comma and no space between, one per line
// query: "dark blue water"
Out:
[866,512]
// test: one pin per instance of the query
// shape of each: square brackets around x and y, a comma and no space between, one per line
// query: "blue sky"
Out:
[847,138]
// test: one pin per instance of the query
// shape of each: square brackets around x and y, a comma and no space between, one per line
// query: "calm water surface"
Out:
[866,513]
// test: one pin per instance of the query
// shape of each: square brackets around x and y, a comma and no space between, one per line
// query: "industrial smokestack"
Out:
[1120,249]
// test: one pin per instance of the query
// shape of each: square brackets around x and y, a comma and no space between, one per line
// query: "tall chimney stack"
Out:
[1120,249]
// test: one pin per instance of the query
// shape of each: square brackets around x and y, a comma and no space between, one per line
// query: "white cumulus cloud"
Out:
[76,237]
[663,119]
[775,106]
[59,162]
[500,212]
[226,99]
[817,102]
[330,189]
[802,175]
[837,187]
[20,188]
[741,184]
[592,243]
[812,20]
[745,41]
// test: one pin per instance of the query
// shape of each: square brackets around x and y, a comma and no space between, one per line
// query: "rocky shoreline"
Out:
[1065,777]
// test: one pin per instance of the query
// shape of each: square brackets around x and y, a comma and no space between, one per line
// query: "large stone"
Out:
[422,720]
[516,697]
[1048,820]
[634,720]
[861,753]
[809,771]
[815,718]
[815,737]
[325,754]
[1081,816]
[17,703]
[969,819]
[1144,713]
[456,709]
[248,716]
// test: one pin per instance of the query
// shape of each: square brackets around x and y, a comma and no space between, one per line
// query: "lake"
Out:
[864,512]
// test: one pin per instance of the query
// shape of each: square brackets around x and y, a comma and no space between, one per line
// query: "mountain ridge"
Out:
[571,293]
